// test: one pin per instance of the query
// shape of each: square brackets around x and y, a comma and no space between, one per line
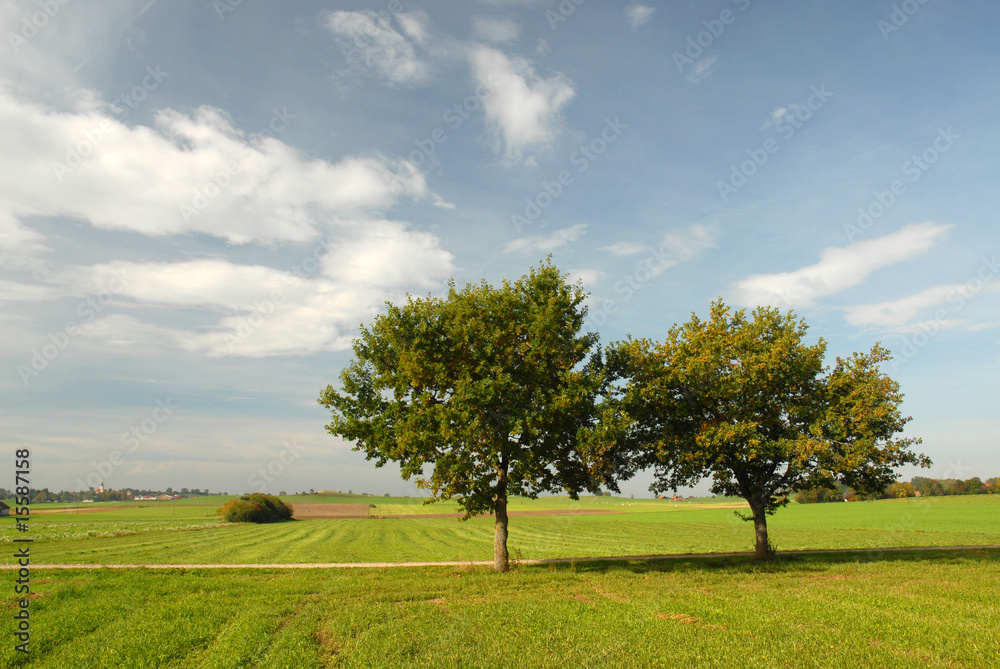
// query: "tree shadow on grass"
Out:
[784,562]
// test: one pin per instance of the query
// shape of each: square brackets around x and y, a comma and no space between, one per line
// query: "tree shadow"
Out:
[788,561]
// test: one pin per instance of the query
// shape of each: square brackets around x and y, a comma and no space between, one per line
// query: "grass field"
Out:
[870,608]
[904,610]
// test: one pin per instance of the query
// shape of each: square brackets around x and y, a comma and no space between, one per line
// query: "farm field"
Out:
[866,608]
[192,533]
[902,610]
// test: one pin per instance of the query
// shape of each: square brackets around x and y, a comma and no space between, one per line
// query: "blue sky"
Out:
[200,203]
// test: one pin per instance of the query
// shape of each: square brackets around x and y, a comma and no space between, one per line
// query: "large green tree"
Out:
[489,387]
[747,402]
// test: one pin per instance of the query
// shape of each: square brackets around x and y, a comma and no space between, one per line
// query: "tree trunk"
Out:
[501,560]
[762,549]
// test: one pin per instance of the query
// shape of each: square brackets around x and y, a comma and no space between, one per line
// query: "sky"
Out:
[201,202]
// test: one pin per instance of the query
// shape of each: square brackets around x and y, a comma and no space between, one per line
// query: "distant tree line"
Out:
[918,486]
[42,495]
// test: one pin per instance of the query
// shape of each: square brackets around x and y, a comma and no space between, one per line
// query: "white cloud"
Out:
[839,268]
[774,117]
[198,173]
[702,69]
[12,291]
[588,276]
[624,248]
[544,244]
[677,246]
[19,245]
[896,314]
[638,15]
[415,25]
[261,311]
[685,245]
[674,248]
[523,110]
[193,173]
[387,254]
[370,43]
[496,30]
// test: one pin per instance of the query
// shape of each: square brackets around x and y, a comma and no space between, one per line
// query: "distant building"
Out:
[4,509]
[100,488]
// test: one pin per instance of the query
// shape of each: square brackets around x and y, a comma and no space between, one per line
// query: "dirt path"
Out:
[483,563]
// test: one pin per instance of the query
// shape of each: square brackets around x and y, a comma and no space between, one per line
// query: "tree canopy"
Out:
[493,388]
[745,401]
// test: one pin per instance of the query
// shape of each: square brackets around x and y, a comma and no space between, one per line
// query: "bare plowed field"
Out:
[330,510]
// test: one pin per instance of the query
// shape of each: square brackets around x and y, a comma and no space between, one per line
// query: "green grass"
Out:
[128,538]
[871,608]
[904,610]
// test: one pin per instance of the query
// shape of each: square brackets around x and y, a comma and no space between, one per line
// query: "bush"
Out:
[256,508]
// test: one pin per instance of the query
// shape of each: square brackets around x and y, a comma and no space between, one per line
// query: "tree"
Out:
[488,387]
[747,402]
[899,489]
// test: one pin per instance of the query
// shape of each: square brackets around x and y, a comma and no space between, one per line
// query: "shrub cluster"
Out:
[256,508]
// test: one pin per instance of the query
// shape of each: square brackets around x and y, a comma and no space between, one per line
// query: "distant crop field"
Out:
[192,534]
[840,611]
